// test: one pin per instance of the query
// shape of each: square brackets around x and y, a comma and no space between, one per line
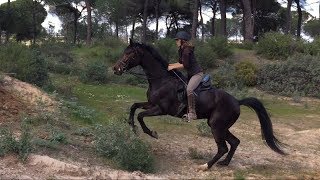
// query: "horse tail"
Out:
[265,122]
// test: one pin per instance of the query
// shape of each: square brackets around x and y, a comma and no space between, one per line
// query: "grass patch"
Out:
[194,153]
[204,129]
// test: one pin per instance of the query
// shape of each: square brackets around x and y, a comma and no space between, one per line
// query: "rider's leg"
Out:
[192,85]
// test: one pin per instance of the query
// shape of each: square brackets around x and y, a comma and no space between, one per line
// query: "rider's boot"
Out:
[191,108]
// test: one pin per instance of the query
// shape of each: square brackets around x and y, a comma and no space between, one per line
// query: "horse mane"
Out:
[159,58]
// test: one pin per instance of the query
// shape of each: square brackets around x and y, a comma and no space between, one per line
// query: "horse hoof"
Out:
[154,134]
[203,167]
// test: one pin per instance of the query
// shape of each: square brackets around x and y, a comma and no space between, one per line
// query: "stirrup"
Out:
[185,118]
[189,116]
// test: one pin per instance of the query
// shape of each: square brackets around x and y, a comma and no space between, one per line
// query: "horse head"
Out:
[131,57]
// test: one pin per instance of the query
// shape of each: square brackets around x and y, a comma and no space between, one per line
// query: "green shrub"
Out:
[313,48]
[134,156]
[45,143]
[24,143]
[112,48]
[111,138]
[22,146]
[112,42]
[225,76]
[299,75]
[275,45]
[113,54]
[7,141]
[167,49]
[27,64]
[205,55]
[247,72]
[244,45]
[58,67]
[57,136]
[85,131]
[58,56]
[220,46]
[95,72]
[116,141]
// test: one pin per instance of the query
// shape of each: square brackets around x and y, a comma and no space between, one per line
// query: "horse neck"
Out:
[153,68]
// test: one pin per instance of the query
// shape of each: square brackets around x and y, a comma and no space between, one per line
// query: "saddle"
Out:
[204,85]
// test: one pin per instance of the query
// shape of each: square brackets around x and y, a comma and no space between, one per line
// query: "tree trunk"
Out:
[34,22]
[195,20]
[223,10]
[117,29]
[133,26]
[248,21]
[288,18]
[169,25]
[214,12]
[89,22]
[144,23]
[201,22]
[75,23]
[9,20]
[299,18]
[157,17]
[254,14]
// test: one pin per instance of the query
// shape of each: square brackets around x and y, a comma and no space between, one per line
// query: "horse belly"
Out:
[205,105]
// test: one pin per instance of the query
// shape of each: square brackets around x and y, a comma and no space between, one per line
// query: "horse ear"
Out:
[131,41]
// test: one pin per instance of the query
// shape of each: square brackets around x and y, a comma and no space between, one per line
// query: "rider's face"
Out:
[178,42]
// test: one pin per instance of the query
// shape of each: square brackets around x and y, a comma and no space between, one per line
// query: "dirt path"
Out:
[252,159]
[45,167]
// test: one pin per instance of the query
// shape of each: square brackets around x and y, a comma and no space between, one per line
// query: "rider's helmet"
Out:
[183,35]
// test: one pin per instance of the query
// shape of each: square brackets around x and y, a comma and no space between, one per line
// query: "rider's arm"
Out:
[175,66]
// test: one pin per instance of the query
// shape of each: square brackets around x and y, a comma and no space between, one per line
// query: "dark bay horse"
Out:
[217,106]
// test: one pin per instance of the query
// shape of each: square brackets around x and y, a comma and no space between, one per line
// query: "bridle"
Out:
[125,61]
[130,57]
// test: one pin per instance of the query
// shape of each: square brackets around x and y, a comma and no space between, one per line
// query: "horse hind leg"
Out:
[219,136]
[219,128]
[234,142]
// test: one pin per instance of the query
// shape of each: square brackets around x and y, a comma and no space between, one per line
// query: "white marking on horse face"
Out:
[119,69]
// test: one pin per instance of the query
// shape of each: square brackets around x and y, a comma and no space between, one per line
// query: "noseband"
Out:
[131,56]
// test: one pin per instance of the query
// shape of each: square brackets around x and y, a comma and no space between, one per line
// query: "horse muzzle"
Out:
[117,70]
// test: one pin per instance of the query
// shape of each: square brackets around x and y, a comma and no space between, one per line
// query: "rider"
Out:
[188,61]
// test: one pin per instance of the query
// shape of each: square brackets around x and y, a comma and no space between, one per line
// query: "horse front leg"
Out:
[153,111]
[134,107]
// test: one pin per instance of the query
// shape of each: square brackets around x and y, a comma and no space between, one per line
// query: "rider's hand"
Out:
[170,67]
